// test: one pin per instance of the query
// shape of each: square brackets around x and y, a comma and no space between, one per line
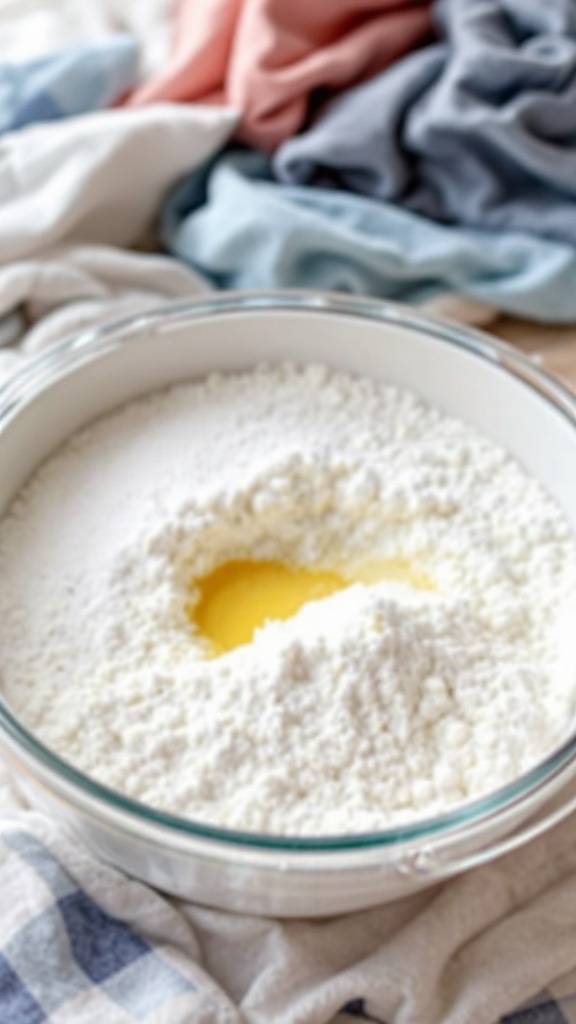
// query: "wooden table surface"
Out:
[555,347]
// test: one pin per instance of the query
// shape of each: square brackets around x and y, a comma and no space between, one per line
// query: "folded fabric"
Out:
[70,82]
[99,177]
[88,945]
[479,129]
[237,227]
[71,287]
[271,59]
[80,941]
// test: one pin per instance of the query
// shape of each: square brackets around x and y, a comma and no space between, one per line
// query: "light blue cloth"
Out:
[72,81]
[240,229]
[478,129]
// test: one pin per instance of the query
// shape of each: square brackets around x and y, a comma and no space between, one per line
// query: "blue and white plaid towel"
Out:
[82,944]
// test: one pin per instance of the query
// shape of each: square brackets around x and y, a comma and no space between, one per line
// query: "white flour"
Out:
[375,705]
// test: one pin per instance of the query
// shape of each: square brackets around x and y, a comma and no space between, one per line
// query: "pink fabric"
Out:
[266,57]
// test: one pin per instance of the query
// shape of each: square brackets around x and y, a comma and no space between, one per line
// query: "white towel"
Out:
[465,952]
[46,299]
[71,193]
[99,178]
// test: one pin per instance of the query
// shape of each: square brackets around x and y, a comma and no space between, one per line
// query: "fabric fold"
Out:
[89,944]
[469,949]
[274,60]
[72,193]
[101,177]
[69,82]
[233,224]
[478,129]
[69,288]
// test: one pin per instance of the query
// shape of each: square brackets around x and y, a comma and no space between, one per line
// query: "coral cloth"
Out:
[479,129]
[71,81]
[272,59]
[240,229]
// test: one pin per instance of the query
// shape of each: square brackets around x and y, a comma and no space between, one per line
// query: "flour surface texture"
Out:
[378,704]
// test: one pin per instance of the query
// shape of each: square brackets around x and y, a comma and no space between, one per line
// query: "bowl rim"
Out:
[92,343]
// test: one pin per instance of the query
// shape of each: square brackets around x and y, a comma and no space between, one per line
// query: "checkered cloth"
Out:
[65,956]
[82,944]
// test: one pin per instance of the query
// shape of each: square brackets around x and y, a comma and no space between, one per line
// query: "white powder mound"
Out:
[376,705]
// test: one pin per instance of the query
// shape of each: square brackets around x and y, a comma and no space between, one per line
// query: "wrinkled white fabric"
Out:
[34,28]
[46,299]
[465,952]
[71,193]
[101,177]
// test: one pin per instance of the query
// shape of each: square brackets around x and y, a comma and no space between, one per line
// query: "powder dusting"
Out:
[375,705]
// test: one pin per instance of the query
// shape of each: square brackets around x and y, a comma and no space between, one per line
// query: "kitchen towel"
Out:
[82,943]
[272,59]
[478,129]
[235,225]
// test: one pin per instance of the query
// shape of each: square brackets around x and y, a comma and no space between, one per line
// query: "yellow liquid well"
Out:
[239,596]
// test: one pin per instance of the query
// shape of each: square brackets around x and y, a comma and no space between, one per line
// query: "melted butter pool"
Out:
[240,596]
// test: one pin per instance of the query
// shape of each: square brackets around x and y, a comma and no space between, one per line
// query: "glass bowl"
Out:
[484,382]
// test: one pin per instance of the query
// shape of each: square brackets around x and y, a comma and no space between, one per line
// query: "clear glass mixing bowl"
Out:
[484,382]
